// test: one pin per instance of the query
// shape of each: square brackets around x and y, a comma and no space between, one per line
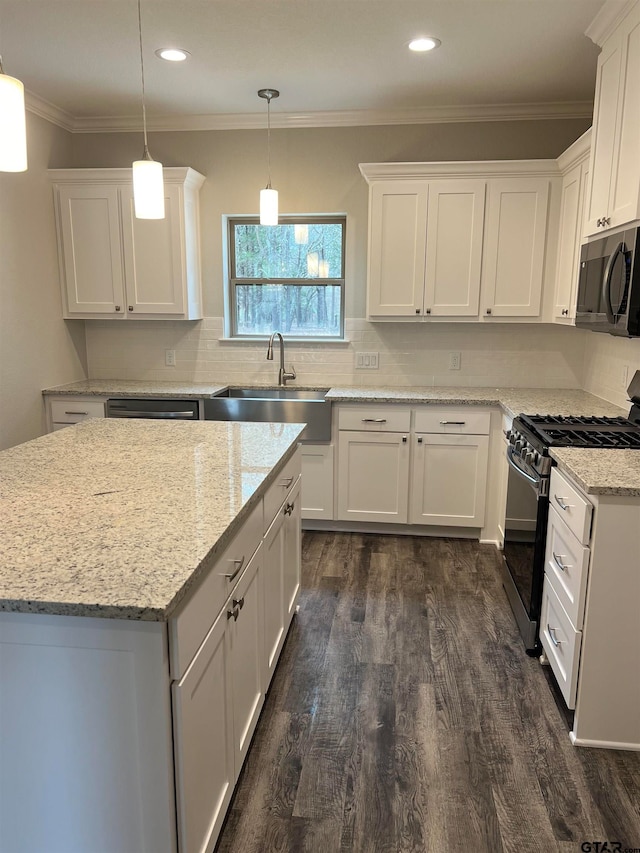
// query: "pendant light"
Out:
[13,132]
[148,185]
[268,196]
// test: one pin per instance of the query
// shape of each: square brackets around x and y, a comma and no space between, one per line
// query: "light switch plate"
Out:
[170,358]
[367,360]
[454,361]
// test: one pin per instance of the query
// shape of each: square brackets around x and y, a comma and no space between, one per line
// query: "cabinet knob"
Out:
[488,310]
[233,614]
[130,307]
[428,311]
[417,310]
[238,602]
[419,439]
[404,439]
[565,312]
[118,308]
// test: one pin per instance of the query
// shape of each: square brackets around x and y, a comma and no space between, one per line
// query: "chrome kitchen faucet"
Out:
[282,374]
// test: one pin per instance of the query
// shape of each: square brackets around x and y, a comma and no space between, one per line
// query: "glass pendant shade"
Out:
[148,189]
[13,133]
[268,207]
[301,233]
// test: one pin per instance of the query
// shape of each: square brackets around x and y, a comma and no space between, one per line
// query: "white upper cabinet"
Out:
[614,190]
[574,164]
[516,228]
[113,265]
[457,240]
[397,241]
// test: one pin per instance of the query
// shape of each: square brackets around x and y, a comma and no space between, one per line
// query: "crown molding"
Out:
[577,151]
[455,168]
[46,110]
[608,19]
[341,118]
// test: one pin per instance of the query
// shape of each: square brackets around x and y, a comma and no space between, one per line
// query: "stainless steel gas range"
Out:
[529,441]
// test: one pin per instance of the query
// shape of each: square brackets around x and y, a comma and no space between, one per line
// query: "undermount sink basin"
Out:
[275,405]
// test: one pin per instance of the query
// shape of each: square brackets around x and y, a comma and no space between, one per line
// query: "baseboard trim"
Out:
[603,744]
[393,529]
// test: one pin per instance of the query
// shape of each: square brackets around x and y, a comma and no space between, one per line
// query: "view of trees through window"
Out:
[288,277]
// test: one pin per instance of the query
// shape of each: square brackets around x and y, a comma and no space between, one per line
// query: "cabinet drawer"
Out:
[566,566]
[375,418]
[75,411]
[574,509]
[437,420]
[188,629]
[281,488]
[561,642]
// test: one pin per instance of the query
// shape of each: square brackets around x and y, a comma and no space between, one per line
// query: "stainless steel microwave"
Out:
[609,285]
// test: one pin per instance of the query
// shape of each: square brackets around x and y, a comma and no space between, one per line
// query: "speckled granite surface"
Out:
[118,518]
[547,401]
[136,388]
[601,472]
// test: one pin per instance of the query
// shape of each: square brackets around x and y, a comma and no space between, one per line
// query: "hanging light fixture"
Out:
[148,185]
[13,132]
[268,196]
[301,233]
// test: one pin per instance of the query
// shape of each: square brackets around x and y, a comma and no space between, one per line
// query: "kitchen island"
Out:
[148,576]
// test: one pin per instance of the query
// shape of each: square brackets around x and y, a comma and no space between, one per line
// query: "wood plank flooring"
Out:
[405,716]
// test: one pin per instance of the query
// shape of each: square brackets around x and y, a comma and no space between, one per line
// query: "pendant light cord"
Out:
[145,155]
[268,142]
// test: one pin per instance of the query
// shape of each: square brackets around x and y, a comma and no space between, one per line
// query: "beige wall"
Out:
[37,347]
[316,170]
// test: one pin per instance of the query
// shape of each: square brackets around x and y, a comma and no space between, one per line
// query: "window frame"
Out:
[231,320]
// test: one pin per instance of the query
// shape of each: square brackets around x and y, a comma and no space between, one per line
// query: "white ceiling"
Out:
[335,60]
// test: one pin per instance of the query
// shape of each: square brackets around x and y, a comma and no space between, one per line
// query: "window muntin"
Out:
[287,277]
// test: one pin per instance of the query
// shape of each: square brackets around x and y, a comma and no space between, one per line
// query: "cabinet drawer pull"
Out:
[453,423]
[286,482]
[552,636]
[76,413]
[561,503]
[233,614]
[374,420]
[231,575]
[288,508]
[559,562]
[239,602]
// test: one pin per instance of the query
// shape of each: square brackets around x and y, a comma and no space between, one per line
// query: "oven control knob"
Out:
[519,445]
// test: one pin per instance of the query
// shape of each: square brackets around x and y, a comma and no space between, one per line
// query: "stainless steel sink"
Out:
[276,405]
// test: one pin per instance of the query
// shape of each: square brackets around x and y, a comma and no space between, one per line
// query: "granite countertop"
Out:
[548,401]
[601,472]
[119,518]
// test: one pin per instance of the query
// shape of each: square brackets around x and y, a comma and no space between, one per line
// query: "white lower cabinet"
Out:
[317,481]
[204,741]
[281,578]
[373,479]
[449,479]
[66,411]
[561,643]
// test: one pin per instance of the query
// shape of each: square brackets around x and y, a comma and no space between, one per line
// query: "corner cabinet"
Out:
[574,165]
[463,241]
[614,189]
[114,266]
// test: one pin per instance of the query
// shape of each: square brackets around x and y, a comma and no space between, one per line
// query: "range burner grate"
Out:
[585,431]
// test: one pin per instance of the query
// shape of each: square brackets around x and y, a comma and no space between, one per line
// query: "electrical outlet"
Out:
[367,360]
[170,357]
[454,361]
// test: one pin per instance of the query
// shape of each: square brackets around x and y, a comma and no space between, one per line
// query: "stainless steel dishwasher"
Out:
[164,409]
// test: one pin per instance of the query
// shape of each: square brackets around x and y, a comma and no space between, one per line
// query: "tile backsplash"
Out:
[609,365]
[409,354]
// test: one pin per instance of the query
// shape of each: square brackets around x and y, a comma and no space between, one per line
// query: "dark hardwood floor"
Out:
[405,716]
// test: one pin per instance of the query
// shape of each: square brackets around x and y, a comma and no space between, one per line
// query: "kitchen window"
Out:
[287,277]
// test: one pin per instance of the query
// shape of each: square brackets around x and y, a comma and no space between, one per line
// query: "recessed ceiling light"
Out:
[172,54]
[424,43]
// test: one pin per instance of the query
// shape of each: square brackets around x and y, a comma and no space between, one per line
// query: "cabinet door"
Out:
[317,480]
[515,235]
[89,226]
[154,257]
[373,478]
[203,742]
[292,554]
[569,243]
[449,480]
[604,131]
[397,239]
[624,201]
[274,551]
[246,635]
[455,224]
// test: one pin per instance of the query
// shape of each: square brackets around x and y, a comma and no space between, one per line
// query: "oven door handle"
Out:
[535,481]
